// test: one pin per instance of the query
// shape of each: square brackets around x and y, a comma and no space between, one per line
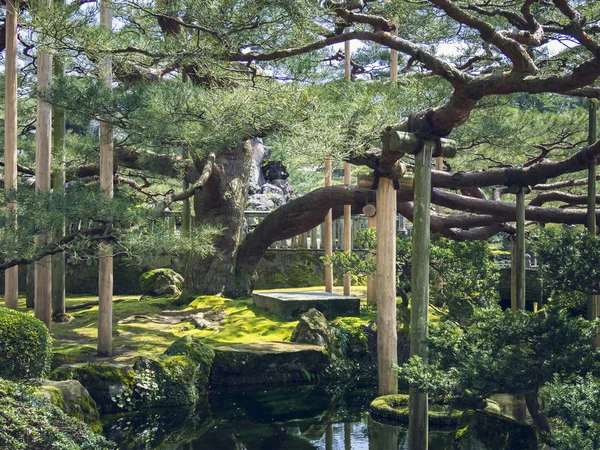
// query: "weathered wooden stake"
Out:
[11,275]
[43,158]
[418,423]
[520,251]
[58,188]
[593,304]
[347,230]
[105,267]
[387,335]
[347,61]
[328,233]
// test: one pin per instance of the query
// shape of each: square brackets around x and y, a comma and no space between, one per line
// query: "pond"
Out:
[283,418]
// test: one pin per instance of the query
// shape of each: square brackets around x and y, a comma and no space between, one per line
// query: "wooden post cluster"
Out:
[11,275]
[43,158]
[105,267]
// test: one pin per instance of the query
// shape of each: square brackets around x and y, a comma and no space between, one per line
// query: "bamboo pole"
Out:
[520,250]
[186,216]
[43,157]
[387,336]
[328,231]
[347,230]
[593,304]
[11,275]
[418,424]
[58,188]
[105,267]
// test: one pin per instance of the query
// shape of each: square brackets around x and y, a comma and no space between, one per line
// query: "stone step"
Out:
[290,305]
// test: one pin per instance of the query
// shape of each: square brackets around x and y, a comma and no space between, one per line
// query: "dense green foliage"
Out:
[28,421]
[25,346]
[459,270]
[503,352]
[574,406]
[571,259]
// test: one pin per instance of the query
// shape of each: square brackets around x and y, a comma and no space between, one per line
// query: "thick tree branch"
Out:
[195,188]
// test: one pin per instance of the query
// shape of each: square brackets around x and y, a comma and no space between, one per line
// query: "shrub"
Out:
[30,421]
[25,346]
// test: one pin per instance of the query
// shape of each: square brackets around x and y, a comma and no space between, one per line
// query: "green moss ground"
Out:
[243,323]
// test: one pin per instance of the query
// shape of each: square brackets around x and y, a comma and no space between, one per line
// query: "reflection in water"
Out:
[304,418]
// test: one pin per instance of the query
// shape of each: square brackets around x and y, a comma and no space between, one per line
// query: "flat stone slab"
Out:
[290,305]
[267,363]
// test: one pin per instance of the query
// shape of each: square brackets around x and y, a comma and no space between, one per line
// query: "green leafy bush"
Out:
[29,421]
[25,346]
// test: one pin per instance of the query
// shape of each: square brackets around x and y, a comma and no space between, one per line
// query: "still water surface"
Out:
[301,418]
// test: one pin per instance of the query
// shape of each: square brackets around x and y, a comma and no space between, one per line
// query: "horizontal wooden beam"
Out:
[404,142]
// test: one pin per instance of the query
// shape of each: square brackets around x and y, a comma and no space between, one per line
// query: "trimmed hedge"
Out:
[25,346]
[29,421]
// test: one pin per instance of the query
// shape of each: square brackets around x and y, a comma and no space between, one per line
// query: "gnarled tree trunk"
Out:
[221,203]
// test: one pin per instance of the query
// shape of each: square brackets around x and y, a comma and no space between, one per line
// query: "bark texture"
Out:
[221,203]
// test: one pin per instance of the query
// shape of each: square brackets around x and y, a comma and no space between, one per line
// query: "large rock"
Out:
[267,363]
[313,329]
[164,381]
[160,282]
[74,400]
[482,430]
[110,385]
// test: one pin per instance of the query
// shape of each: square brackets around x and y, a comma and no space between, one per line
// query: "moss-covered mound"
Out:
[164,381]
[161,282]
[394,408]
[110,385]
[74,400]
[25,346]
[488,431]
[202,355]
[28,421]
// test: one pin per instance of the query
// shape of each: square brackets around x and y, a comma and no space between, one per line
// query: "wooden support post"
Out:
[593,304]
[347,436]
[439,165]
[387,334]
[347,229]
[394,63]
[513,272]
[105,267]
[520,251]
[329,437]
[347,61]
[371,279]
[43,158]
[313,239]
[328,231]
[58,189]
[370,211]
[11,275]
[303,240]
[418,422]
[294,242]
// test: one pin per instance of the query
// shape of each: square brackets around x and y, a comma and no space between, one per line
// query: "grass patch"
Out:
[147,335]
